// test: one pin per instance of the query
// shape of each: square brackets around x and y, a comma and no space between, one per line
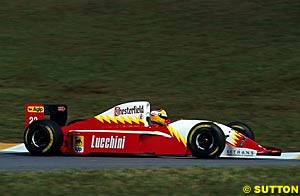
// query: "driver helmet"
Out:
[159,117]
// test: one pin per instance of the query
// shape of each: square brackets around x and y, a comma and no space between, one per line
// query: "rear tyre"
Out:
[43,137]
[243,129]
[206,140]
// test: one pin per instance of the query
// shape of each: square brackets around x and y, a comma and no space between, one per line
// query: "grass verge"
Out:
[165,181]
[218,60]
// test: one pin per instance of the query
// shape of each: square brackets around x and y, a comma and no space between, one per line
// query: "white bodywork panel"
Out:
[139,110]
[184,126]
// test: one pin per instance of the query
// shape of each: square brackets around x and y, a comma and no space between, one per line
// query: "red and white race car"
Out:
[133,129]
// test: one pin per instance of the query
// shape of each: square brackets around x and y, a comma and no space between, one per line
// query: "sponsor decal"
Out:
[61,108]
[129,110]
[240,152]
[112,142]
[38,109]
[78,144]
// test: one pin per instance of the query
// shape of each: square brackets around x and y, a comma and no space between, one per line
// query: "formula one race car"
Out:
[133,129]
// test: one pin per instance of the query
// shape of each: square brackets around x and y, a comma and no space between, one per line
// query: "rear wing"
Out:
[57,113]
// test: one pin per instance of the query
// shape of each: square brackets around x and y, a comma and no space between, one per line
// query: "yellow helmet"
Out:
[159,117]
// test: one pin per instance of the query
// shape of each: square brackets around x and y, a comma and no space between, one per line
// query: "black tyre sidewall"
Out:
[218,143]
[54,133]
[243,129]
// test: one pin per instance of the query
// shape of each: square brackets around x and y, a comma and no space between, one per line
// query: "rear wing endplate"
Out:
[57,113]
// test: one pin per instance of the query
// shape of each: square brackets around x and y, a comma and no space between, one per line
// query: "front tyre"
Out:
[43,137]
[206,140]
[242,128]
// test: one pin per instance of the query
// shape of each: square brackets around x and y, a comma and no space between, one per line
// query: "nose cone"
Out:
[270,151]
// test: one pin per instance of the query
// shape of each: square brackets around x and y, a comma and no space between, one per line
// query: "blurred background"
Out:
[219,60]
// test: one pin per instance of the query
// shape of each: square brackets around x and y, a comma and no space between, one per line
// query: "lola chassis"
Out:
[126,130]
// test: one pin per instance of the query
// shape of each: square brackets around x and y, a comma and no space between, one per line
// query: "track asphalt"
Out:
[16,158]
[26,162]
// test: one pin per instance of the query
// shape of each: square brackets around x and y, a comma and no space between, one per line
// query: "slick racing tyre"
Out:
[243,129]
[43,137]
[206,140]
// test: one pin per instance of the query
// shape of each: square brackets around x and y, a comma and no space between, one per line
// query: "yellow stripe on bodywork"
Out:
[136,120]
[122,119]
[235,137]
[119,119]
[177,135]
[106,118]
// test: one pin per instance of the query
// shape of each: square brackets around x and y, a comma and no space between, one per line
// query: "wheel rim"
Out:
[40,138]
[204,140]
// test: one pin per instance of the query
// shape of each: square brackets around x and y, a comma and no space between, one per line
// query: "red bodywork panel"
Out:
[109,135]
[33,112]
[93,136]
